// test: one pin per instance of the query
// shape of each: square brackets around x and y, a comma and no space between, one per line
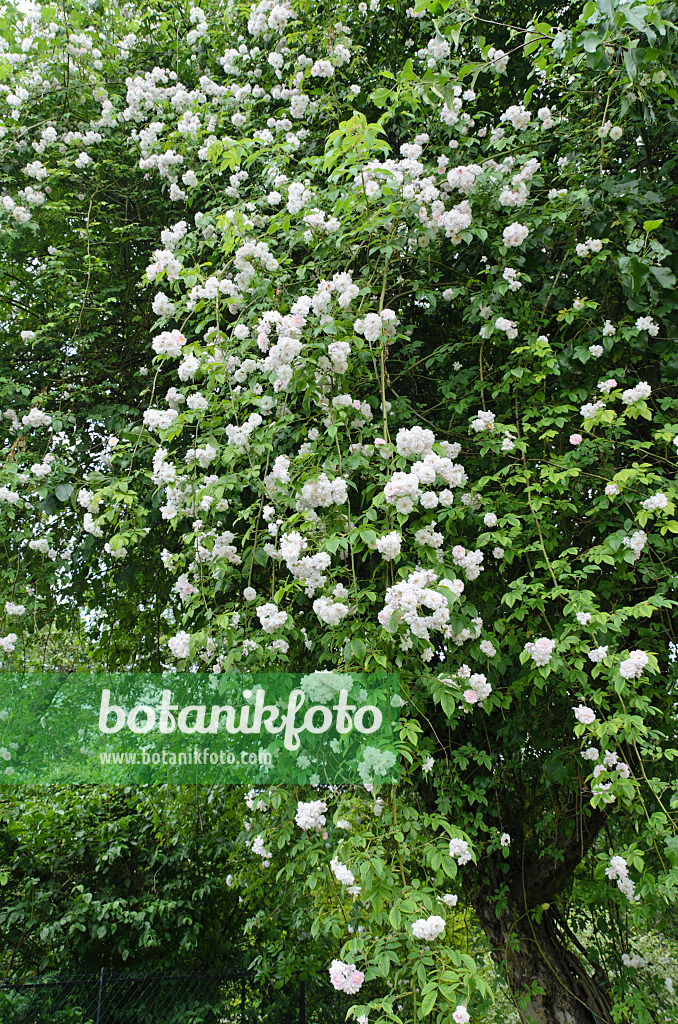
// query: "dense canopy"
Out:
[343,337]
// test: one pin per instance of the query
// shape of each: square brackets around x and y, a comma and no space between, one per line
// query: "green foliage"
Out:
[110,877]
[545,363]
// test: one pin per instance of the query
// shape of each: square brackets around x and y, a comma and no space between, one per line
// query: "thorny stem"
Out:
[382,361]
[349,527]
[553,286]
[395,825]
[532,509]
[602,140]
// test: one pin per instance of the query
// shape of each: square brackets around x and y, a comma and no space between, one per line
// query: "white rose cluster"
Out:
[459,849]
[483,421]
[470,561]
[374,325]
[342,874]
[414,603]
[414,441]
[633,961]
[655,502]
[610,764]
[507,326]
[36,418]
[270,617]
[345,977]
[160,419]
[390,545]
[636,542]
[163,306]
[589,246]
[646,323]
[541,650]
[402,490]
[339,351]
[14,609]
[322,493]
[642,390]
[311,814]
[478,688]
[498,60]
[634,666]
[584,715]
[618,870]
[428,928]
[8,643]
[515,234]
[330,612]
[517,115]
[179,645]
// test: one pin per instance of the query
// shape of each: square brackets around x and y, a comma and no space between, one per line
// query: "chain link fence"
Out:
[197,997]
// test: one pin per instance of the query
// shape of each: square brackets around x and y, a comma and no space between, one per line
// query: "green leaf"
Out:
[428,1002]
[634,270]
[358,648]
[665,277]
[672,849]
[380,96]
[591,41]
[650,225]
[630,63]
[454,32]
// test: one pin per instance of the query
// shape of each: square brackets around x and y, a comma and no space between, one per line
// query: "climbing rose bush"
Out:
[402,397]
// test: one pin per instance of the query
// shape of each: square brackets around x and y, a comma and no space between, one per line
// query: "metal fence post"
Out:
[101,1001]
[242,1000]
[302,1002]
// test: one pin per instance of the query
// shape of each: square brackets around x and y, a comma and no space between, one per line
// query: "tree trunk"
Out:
[549,983]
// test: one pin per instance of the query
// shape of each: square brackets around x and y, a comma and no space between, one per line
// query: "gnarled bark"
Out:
[548,980]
